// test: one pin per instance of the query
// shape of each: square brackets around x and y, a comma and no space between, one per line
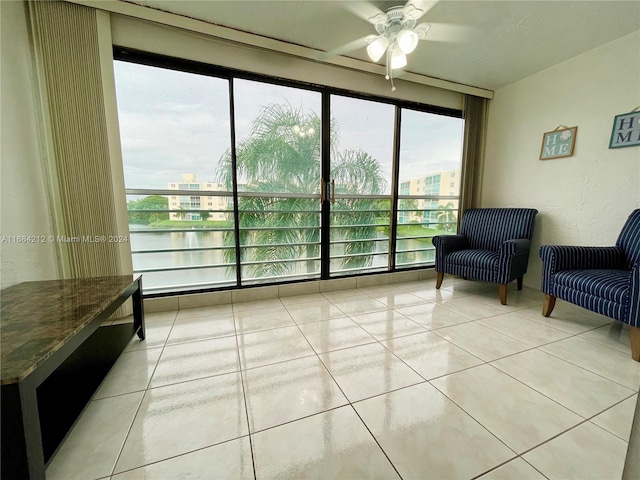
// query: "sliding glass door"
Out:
[235,180]
[429,184]
[277,168]
[361,164]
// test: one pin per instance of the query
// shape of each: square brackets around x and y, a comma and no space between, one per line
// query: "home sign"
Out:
[626,130]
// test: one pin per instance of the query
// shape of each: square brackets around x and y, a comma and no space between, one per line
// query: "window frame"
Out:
[131,55]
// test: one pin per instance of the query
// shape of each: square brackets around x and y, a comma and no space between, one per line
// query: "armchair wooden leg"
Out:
[519,280]
[439,279]
[634,333]
[549,303]
[502,291]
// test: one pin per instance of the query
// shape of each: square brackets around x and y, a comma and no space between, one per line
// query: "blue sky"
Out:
[174,122]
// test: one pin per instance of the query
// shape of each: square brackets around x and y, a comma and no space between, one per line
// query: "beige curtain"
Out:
[475,123]
[66,45]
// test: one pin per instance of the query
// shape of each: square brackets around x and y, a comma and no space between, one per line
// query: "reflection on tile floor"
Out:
[391,381]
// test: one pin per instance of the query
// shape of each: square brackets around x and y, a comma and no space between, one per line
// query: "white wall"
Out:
[24,207]
[584,199]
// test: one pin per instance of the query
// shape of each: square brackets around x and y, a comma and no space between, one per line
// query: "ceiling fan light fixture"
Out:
[407,41]
[398,36]
[376,49]
[398,59]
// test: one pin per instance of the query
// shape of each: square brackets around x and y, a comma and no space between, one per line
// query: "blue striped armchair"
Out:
[493,246]
[605,280]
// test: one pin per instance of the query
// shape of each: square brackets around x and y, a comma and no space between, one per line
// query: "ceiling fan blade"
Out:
[422,29]
[361,42]
[414,9]
[448,32]
[366,11]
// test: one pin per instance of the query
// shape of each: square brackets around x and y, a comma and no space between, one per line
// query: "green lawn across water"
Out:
[418,230]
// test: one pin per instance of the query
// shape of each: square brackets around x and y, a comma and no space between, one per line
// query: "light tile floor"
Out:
[392,381]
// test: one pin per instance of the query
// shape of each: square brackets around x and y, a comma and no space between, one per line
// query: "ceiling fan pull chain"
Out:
[389,75]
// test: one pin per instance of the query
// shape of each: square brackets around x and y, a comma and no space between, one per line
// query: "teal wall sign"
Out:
[626,130]
[558,143]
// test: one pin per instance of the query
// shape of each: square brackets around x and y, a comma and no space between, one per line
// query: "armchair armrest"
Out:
[513,257]
[449,243]
[514,247]
[446,244]
[634,297]
[563,257]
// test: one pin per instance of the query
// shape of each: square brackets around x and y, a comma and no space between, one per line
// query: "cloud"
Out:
[174,122]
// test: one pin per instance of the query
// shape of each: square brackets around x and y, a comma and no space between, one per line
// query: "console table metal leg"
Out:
[138,310]
[21,442]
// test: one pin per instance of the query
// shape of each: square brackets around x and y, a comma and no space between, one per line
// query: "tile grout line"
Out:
[570,335]
[155,462]
[556,401]
[124,442]
[244,398]
[520,455]
[493,469]
[580,366]
[376,440]
[350,404]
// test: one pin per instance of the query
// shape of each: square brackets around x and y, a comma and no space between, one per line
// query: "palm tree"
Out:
[357,173]
[179,214]
[409,207]
[447,218]
[282,154]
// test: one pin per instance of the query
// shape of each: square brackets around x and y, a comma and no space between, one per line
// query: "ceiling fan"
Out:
[397,32]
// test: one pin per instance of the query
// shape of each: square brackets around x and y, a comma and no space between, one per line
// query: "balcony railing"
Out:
[177,257]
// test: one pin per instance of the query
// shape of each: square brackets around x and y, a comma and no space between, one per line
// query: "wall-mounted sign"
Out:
[558,143]
[626,130]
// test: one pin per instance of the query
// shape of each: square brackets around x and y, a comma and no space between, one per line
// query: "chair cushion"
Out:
[480,259]
[610,284]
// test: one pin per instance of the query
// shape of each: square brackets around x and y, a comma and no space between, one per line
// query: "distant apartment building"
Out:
[190,199]
[425,210]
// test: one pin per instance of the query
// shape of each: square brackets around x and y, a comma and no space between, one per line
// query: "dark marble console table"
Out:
[55,350]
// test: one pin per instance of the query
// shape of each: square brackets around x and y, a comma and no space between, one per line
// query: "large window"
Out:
[174,126]
[236,181]
[429,175]
[278,135]
[361,176]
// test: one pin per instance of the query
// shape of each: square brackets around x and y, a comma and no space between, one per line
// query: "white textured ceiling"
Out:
[486,44]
